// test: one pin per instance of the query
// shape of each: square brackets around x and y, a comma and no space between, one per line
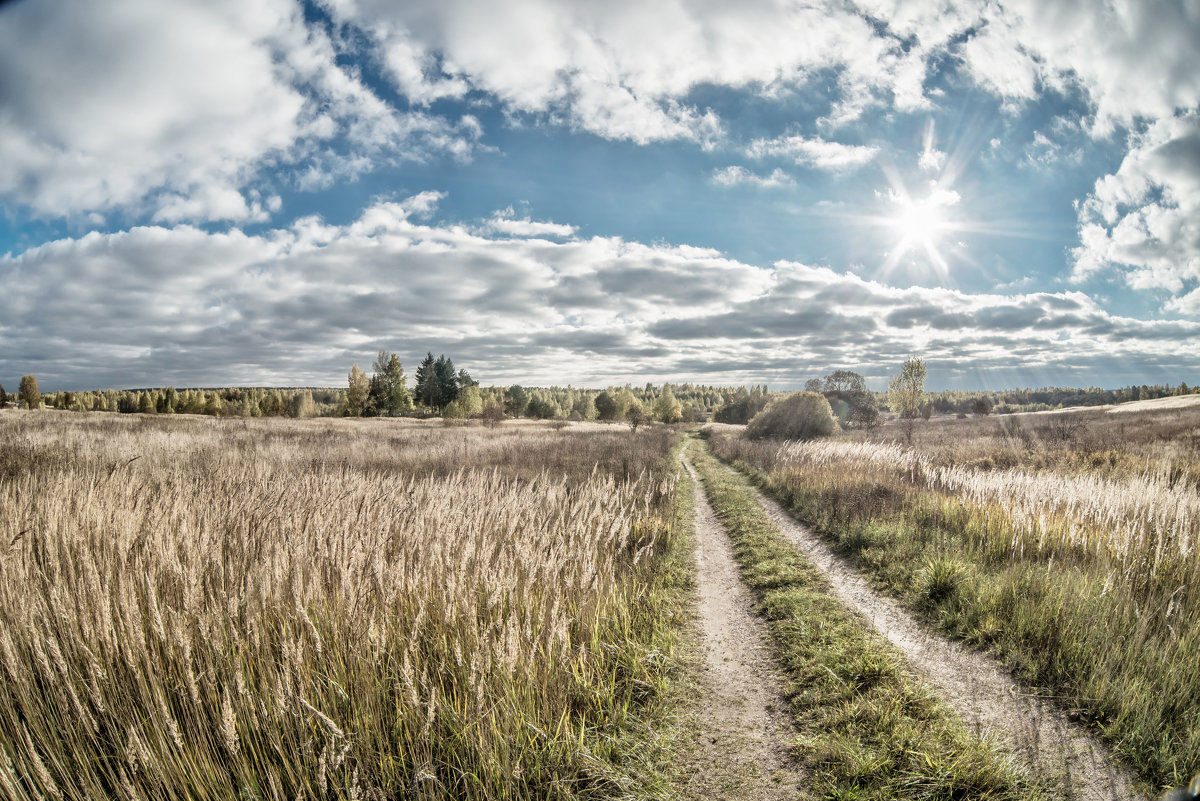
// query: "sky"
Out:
[598,192]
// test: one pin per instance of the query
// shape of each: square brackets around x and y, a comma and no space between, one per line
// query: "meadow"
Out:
[202,608]
[1066,543]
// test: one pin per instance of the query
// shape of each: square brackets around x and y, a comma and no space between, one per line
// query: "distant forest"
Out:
[440,390]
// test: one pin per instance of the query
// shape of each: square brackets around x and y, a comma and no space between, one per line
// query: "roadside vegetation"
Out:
[1065,543]
[199,608]
[867,727]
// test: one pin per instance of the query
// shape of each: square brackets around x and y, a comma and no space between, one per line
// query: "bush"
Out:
[801,415]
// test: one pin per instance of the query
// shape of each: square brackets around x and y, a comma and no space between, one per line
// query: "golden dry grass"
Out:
[273,609]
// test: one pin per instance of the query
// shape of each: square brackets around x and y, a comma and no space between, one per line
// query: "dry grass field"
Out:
[216,609]
[1065,542]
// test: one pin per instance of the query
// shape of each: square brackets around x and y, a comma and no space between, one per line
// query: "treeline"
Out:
[439,389]
[222,402]
[442,390]
[1048,398]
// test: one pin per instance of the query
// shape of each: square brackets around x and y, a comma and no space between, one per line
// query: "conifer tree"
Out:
[3,396]
[447,380]
[427,389]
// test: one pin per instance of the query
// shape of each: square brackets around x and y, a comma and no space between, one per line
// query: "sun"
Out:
[920,224]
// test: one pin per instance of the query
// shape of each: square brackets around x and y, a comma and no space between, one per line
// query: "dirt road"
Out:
[741,726]
[984,694]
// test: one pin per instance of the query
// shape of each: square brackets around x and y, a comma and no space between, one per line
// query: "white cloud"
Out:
[297,305]
[172,110]
[734,175]
[506,222]
[1144,219]
[815,152]
[1132,59]
[625,69]
[931,159]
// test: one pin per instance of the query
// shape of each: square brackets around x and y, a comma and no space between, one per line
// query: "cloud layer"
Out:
[299,304]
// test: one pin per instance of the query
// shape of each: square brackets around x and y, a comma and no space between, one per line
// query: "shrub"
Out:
[801,415]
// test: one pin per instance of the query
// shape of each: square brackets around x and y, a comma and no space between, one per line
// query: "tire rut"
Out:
[741,728]
[986,697]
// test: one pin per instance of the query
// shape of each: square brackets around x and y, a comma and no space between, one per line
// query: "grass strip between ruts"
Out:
[867,727]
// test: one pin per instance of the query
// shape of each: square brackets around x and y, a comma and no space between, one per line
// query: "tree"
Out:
[626,400]
[636,415]
[388,392]
[470,400]
[146,404]
[493,412]
[3,396]
[358,389]
[981,406]
[848,396]
[741,407]
[214,405]
[516,400]
[453,412]
[800,415]
[465,380]
[906,394]
[28,394]
[427,389]
[302,404]
[584,407]
[666,407]
[606,407]
[447,381]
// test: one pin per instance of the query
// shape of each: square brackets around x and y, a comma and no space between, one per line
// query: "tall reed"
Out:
[220,609]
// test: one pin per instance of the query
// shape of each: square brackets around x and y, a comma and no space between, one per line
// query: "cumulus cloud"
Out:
[625,69]
[1144,219]
[815,152]
[172,110]
[296,305]
[505,222]
[734,175]
[1133,60]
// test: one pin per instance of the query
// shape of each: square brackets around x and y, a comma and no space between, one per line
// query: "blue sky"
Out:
[227,193]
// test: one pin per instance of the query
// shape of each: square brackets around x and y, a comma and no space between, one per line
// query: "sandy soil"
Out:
[984,694]
[741,729]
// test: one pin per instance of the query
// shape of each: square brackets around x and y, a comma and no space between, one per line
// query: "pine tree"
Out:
[516,400]
[447,381]
[427,389]
[3,396]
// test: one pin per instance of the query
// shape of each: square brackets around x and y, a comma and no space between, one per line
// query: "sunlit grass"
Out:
[202,609]
[1087,582]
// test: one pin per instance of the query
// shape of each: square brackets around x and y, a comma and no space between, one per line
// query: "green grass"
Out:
[1118,651]
[867,727]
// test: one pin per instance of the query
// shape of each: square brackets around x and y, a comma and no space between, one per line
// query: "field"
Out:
[207,608]
[1064,542]
[195,608]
